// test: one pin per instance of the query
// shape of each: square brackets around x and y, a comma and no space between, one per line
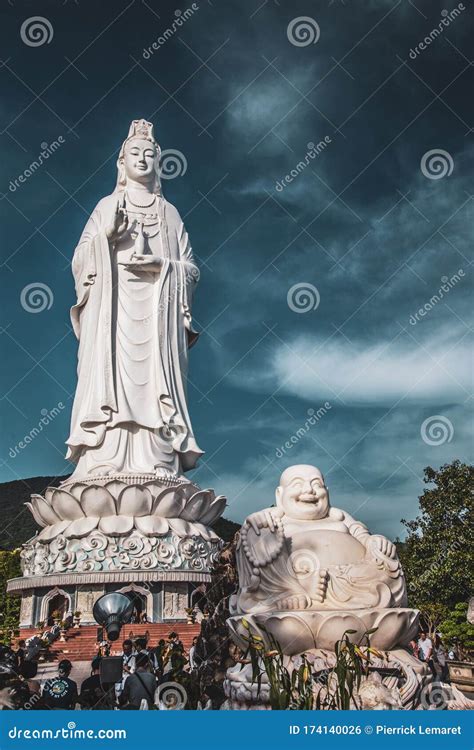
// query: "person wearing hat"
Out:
[61,692]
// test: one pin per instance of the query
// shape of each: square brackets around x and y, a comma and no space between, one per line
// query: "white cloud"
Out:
[377,373]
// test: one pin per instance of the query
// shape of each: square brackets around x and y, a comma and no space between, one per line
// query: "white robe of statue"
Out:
[134,327]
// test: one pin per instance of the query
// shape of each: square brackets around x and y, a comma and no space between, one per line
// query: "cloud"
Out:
[356,372]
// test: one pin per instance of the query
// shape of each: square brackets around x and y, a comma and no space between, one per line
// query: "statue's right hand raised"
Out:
[119,224]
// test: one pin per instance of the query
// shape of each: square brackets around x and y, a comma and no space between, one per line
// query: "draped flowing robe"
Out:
[130,412]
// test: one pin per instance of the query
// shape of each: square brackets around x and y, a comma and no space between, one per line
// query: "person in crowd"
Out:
[440,658]
[21,653]
[141,646]
[27,659]
[61,692]
[174,642]
[425,650]
[68,620]
[103,648]
[128,657]
[160,654]
[128,665]
[452,655]
[93,694]
[35,700]
[139,686]
[413,648]
[192,657]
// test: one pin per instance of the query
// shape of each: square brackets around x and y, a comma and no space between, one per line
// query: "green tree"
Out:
[9,605]
[458,632]
[437,555]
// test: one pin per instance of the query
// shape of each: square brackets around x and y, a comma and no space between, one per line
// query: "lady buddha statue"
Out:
[135,275]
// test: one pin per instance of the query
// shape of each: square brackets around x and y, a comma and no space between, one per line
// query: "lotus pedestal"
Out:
[145,535]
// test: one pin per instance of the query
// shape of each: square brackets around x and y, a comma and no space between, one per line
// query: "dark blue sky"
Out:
[368,225]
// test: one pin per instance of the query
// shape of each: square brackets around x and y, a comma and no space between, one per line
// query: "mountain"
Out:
[18,525]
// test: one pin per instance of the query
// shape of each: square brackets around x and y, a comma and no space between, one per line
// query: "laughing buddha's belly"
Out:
[330,547]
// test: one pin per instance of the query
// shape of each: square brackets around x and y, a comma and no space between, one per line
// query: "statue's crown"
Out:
[141,129]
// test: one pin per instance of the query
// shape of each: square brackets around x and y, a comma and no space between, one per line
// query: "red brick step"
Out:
[81,644]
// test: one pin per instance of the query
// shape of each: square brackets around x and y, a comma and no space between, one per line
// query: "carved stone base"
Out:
[99,552]
[107,531]
[300,631]
[396,681]
[123,522]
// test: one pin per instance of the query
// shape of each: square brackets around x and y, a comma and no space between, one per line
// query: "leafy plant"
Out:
[458,633]
[431,615]
[300,688]
[9,605]
[342,682]
[288,690]
[438,556]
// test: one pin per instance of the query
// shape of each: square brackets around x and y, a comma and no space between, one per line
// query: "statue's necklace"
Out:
[140,205]
[142,219]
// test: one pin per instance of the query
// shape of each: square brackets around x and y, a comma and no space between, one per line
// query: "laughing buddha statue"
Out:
[308,572]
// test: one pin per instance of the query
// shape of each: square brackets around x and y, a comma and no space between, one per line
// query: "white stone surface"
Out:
[175,601]
[308,572]
[127,505]
[135,276]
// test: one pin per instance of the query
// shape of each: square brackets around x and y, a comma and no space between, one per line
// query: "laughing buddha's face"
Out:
[302,494]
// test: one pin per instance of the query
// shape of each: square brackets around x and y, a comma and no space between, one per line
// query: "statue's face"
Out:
[302,494]
[139,160]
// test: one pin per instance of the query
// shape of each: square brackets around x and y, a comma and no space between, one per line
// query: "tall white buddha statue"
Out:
[127,505]
[135,275]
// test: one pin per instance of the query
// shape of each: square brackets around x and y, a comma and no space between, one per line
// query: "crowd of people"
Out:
[160,677]
[163,677]
[434,653]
